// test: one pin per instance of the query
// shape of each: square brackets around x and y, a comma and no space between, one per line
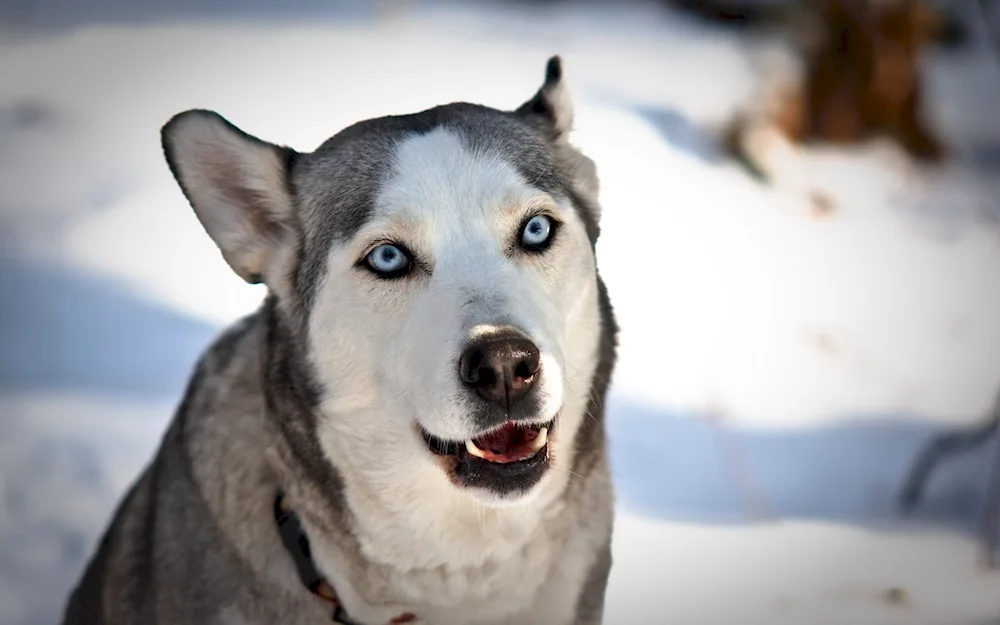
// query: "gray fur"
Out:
[335,185]
[194,540]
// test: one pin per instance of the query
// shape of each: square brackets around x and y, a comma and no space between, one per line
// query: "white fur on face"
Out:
[386,351]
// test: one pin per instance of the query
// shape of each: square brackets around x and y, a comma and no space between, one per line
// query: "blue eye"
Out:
[388,261]
[537,232]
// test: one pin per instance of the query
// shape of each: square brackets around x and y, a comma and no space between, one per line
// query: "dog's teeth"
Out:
[473,450]
[540,440]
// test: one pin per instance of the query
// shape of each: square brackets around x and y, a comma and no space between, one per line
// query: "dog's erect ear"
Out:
[238,187]
[552,103]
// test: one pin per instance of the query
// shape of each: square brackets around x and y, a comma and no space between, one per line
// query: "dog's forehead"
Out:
[435,178]
[337,186]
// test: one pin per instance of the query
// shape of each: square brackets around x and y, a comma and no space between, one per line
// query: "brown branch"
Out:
[950,444]
[941,447]
[990,530]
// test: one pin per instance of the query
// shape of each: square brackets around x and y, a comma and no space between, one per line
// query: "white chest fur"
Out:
[469,565]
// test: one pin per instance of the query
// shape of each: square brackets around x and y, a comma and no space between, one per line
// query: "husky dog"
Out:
[410,429]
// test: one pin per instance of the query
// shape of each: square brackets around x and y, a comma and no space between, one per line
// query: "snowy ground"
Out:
[778,370]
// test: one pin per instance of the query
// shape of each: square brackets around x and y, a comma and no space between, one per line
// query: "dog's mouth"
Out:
[512,442]
[508,459]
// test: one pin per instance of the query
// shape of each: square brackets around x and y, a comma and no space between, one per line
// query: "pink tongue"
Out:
[506,440]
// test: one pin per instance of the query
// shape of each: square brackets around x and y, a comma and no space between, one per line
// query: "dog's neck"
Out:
[296,542]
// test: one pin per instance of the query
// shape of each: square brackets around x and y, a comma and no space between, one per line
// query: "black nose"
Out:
[501,368]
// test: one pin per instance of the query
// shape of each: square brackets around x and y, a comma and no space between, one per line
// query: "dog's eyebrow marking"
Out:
[532,203]
[402,225]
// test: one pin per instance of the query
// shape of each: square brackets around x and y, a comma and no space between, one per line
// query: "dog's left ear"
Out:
[553,107]
[552,104]
[238,186]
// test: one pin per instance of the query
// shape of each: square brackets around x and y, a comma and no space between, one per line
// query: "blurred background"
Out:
[801,237]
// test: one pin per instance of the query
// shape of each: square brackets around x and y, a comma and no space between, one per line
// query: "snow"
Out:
[778,370]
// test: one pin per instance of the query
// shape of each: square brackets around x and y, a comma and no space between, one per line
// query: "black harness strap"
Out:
[294,538]
[297,544]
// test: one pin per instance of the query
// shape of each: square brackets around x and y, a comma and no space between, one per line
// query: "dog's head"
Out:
[438,272]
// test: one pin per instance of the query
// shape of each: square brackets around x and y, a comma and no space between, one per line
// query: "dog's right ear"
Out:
[239,189]
[552,103]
